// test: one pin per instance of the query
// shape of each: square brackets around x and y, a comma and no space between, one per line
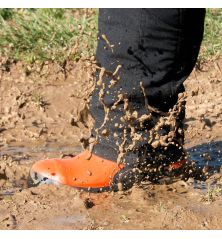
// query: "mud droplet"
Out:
[88,203]
[105,132]
[89,173]
[120,186]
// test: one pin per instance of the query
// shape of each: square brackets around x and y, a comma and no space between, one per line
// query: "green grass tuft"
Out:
[211,48]
[32,35]
[39,35]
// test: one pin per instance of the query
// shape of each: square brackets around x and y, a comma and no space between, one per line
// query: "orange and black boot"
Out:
[146,161]
[138,106]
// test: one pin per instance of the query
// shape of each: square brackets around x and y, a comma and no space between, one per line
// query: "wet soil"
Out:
[43,114]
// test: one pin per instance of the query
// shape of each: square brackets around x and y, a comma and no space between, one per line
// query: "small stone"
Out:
[88,203]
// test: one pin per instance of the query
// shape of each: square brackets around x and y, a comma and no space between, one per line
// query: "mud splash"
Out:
[171,204]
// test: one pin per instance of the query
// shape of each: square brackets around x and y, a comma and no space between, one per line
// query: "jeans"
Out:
[157,50]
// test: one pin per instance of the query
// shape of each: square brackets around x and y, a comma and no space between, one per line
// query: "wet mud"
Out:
[43,114]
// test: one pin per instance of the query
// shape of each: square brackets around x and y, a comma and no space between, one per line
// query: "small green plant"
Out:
[212,193]
[39,101]
[160,207]
[124,218]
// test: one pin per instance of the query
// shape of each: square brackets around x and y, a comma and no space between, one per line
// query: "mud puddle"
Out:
[168,205]
[207,155]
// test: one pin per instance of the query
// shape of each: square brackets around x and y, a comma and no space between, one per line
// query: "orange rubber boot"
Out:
[81,171]
[87,171]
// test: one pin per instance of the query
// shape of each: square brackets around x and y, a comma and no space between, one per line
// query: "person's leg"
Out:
[157,49]
[147,54]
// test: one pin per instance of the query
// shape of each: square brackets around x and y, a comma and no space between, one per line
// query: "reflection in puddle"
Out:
[78,218]
[202,185]
[7,193]
[209,154]
[22,150]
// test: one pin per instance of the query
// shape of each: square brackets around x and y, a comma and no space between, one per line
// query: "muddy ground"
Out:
[43,114]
